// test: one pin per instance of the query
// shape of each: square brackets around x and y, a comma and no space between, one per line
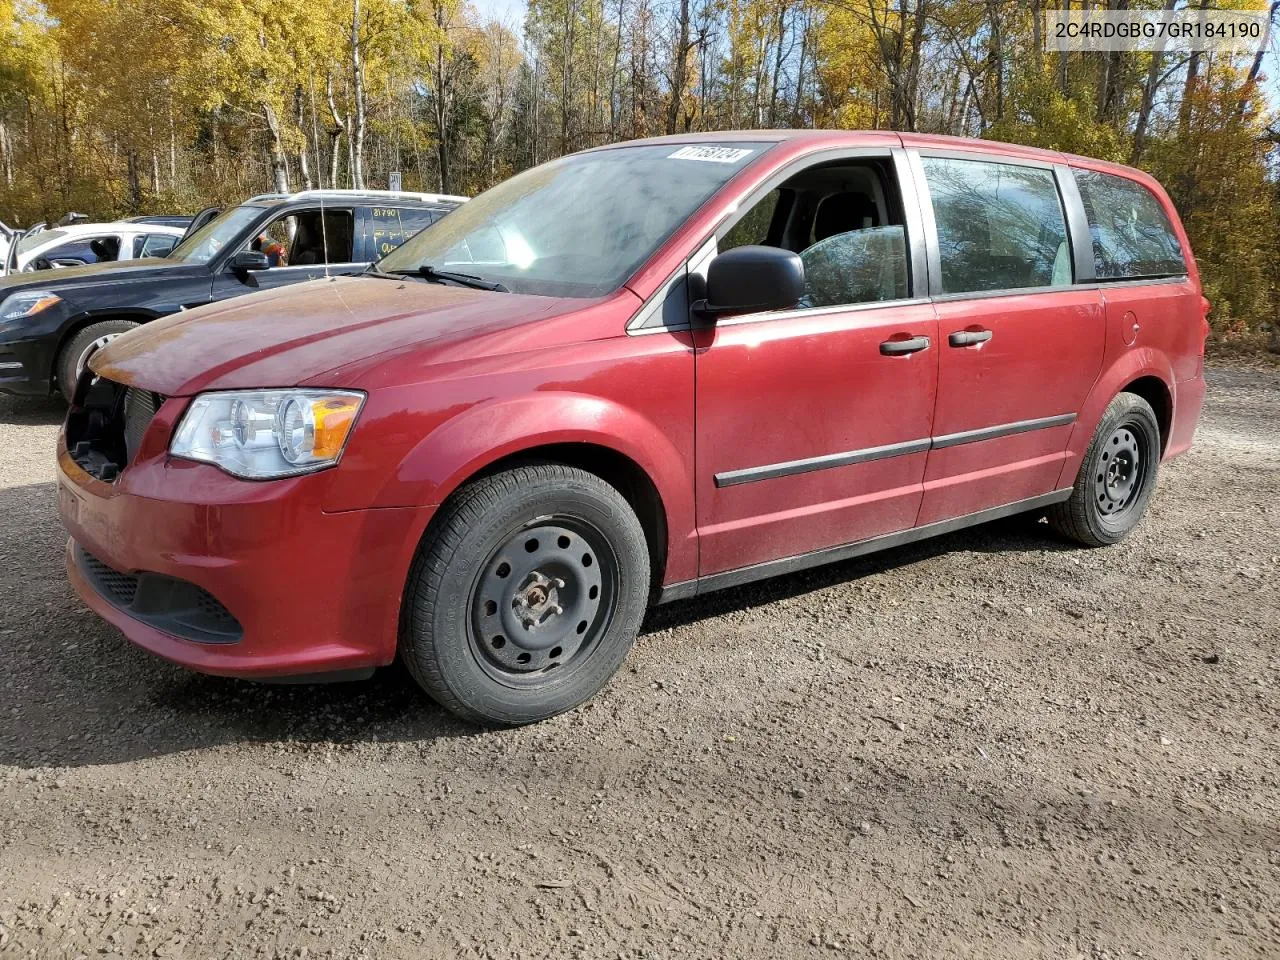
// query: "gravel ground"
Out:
[990,745]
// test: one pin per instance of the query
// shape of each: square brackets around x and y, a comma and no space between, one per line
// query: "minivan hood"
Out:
[292,335]
[94,274]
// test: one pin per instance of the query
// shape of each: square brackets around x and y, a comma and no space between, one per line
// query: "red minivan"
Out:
[632,375]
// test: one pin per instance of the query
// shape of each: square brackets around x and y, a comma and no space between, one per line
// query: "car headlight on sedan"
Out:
[27,303]
[263,434]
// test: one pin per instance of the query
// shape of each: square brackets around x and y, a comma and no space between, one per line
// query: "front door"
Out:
[1019,348]
[301,246]
[813,424]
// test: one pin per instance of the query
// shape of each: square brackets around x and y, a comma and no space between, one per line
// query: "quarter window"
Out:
[1000,225]
[1132,236]
[754,226]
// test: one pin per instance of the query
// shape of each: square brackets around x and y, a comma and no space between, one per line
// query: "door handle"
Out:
[967,338]
[896,348]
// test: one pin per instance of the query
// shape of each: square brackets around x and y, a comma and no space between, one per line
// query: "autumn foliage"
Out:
[113,107]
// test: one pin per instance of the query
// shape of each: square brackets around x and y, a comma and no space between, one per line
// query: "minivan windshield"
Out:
[579,226]
[203,245]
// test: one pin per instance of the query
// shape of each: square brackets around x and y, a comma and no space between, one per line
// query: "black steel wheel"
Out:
[526,594]
[543,600]
[1117,476]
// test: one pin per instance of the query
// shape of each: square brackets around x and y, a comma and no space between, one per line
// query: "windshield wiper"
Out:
[372,271]
[428,272]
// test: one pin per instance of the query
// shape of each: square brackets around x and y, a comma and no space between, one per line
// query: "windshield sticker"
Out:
[711,154]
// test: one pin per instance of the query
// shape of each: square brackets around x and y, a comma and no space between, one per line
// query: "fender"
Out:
[85,318]
[1129,366]
[480,435]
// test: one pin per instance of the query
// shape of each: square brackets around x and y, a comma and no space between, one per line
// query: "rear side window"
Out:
[1000,225]
[1132,236]
[392,226]
[153,245]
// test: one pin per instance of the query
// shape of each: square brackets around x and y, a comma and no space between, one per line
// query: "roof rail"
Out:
[372,194]
[384,194]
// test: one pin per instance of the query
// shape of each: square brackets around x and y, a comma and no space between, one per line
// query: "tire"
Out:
[1117,476]
[77,351]
[526,594]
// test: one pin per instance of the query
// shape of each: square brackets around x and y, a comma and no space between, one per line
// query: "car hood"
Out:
[297,334]
[95,274]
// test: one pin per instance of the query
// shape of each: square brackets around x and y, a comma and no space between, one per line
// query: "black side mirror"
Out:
[248,260]
[752,279]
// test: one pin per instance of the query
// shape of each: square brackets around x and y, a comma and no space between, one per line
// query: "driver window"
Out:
[845,222]
[301,239]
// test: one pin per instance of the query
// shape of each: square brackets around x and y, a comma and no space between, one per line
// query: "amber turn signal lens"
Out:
[333,420]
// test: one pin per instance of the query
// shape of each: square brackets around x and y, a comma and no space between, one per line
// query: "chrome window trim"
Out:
[984,156]
[818,311]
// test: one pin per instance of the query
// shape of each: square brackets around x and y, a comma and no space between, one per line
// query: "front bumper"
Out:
[311,592]
[27,350]
[25,369]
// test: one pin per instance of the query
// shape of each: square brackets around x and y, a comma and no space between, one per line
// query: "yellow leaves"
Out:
[846,60]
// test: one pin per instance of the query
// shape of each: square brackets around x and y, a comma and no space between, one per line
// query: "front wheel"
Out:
[1117,476]
[526,594]
[77,351]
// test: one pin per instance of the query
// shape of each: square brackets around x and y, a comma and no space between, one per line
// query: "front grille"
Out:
[140,407]
[106,426]
[177,607]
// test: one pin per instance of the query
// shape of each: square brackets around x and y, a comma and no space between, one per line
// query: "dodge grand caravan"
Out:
[632,375]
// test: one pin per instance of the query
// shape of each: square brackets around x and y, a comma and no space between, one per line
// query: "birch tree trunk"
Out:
[357,87]
[279,163]
[335,135]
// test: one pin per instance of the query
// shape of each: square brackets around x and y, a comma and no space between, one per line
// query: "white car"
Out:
[84,243]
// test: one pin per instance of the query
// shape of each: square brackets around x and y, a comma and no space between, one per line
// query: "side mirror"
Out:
[249,260]
[752,279]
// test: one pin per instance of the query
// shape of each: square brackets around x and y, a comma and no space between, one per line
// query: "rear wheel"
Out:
[526,594]
[1117,477]
[77,351]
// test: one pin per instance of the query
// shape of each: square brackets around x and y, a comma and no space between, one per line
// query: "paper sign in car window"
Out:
[711,154]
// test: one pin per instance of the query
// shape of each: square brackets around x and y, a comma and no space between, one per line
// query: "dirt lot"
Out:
[989,746]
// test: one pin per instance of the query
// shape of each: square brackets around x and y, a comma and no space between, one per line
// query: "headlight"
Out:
[262,434]
[27,304]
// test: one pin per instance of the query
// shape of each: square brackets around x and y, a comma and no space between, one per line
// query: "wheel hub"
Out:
[538,602]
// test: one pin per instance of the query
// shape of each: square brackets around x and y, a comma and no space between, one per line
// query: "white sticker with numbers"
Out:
[711,154]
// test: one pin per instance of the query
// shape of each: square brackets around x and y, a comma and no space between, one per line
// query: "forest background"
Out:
[119,107]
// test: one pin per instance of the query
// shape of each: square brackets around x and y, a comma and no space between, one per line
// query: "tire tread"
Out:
[1072,517]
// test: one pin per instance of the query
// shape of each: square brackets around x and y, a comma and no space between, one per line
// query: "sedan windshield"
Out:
[203,245]
[579,226]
